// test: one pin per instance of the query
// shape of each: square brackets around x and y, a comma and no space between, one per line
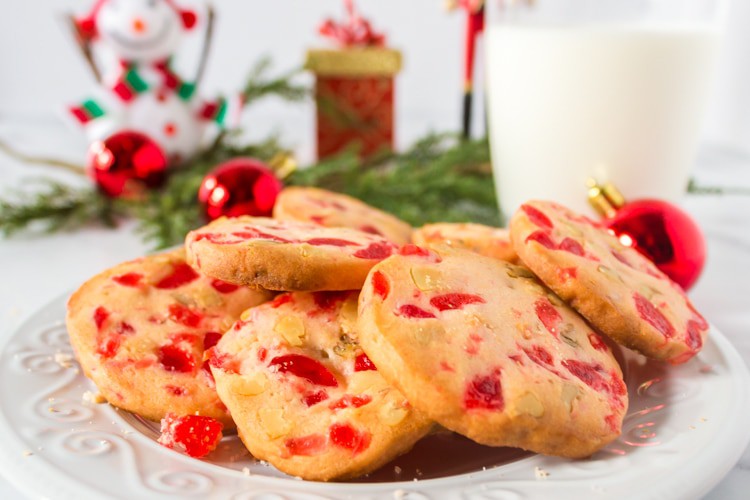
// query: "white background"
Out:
[41,71]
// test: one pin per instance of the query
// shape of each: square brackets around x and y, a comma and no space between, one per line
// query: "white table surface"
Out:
[34,268]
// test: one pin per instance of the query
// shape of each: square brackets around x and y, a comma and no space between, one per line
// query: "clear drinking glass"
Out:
[610,89]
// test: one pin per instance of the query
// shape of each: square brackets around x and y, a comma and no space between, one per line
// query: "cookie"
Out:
[485,240]
[617,289]
[139,331]
[304,395]
[285,255]
[329,209]
[483,348]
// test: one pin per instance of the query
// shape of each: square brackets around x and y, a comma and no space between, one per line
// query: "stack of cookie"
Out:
[373,340]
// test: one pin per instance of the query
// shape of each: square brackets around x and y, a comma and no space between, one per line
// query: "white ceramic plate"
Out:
[686,428]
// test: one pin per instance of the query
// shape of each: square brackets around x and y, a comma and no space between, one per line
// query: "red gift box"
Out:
[354,96]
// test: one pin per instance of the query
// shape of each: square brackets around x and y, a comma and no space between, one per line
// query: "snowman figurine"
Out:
[140,91]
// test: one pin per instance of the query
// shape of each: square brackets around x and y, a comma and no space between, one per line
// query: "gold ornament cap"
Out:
[355,62]
[605,198]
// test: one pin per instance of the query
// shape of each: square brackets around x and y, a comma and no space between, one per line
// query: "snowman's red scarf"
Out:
[130,83]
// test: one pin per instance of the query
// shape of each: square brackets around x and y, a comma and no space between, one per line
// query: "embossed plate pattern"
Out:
[685,429]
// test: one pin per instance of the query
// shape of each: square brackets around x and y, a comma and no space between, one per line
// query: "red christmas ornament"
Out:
[241,186]
[126,163]
[659,230]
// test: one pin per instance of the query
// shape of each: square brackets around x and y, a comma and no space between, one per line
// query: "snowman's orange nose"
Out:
[138,25]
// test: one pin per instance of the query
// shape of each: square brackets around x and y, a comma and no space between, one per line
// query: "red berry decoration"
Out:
[659,230]
[126,163]
[241,186]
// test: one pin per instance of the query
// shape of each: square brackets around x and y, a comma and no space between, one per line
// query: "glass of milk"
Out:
[610,89]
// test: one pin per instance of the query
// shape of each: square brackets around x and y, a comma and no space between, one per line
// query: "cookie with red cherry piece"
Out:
[139,331]
[485,240]
[329,209]
[285,255]
[486,350]
[304,395]
[620,292]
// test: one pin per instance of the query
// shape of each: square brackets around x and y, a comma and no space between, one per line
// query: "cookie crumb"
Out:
[540,473]
[397,470]
[93,398]
[399,494]
[27,453]
[691,427]
[64,359]
[246,471]
[704,419]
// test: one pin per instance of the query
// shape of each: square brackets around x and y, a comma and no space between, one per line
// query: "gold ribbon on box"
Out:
[366,61]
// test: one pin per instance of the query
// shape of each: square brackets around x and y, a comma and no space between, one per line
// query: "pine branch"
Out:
[439,179]
[282,86]
[56,207]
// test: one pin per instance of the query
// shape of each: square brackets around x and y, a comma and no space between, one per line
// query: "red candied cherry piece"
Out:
[375,251]
[370,229]
[176,391]
[537,217]
[566,273]
[652,315]
[543,238]
[252,234]
[107,347]
[210,340]
[612,423]
[591,375]
[222,361]
[411,249]
[350,401]
[347,437]
[306,368]
[539,355]
[335,242]
[597,342]
[572,246]
[128,279]
[362,363]
[181,275]
[620,257]
[694,339]
[184,316]
[315,397]
[412,311]
[455,301]
[223,287]
[318,219]
[100,316]
[280,300]
[548,315]
[380,285]
[329,300]
[262,353]
[196,435]
[174,359]
[306,446]
[484,392]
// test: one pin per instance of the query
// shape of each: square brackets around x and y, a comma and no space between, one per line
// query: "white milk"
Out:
[623,104]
